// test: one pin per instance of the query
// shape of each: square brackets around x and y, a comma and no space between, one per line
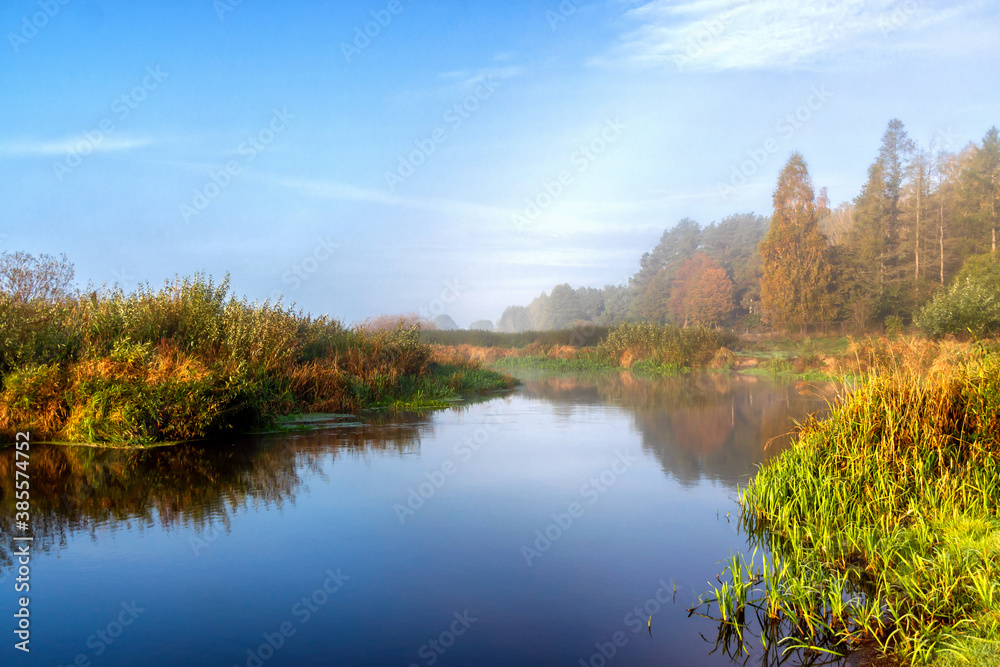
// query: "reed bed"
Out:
[664,345]
[880,525]
[642,347]
[190,361]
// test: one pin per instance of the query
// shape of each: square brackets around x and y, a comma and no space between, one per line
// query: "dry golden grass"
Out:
[33,401]
[923,356]
[471,354]
[189,361]
[319,386]
[723,358]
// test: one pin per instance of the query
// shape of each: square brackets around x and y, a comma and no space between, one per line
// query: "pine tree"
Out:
[869,238]
[981,187]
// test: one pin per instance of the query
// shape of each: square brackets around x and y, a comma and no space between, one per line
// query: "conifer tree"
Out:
[795,286]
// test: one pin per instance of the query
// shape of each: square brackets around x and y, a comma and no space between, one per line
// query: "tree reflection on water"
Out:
[76,489]
[717,426]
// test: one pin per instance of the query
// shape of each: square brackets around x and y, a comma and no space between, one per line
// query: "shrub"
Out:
[37,332]
[893,326]
[966,307]
[970,305]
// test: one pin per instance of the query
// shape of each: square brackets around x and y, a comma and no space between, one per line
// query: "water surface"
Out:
[540,528]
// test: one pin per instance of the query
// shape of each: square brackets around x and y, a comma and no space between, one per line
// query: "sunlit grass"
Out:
[880,525]
[189,361]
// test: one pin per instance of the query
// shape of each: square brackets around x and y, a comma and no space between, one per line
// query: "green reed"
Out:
[880,524]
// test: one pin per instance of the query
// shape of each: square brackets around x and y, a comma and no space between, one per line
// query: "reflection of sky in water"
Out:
[218,542]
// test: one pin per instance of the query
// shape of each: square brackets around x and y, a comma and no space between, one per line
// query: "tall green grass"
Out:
[189,361]
[586,362]
[880,525]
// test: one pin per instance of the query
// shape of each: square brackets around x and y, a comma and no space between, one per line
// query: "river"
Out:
[543,527]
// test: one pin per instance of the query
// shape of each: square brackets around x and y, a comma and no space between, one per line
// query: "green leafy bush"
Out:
[970,305]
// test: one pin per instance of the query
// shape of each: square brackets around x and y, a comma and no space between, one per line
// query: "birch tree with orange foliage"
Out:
[795,286]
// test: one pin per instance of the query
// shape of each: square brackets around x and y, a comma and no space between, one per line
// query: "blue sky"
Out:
[461,156]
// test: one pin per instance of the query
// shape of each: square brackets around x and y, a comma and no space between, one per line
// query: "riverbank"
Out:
[657,350]
[190,361]
[640,347]
[881,523]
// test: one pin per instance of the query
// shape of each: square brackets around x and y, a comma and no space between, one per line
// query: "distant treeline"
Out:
[875,261]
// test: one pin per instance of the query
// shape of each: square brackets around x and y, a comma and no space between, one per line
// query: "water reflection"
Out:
[711,426]
[196,485]
[286,507]
[714,426]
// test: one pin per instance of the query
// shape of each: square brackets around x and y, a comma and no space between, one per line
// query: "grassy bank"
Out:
[584,363]
[669,350]
[583,336]
[191,361]
[881,523]
[640,347]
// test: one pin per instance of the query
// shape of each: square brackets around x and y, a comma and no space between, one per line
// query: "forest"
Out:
[916,246]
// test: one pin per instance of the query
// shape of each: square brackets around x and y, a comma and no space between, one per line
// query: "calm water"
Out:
[540,528]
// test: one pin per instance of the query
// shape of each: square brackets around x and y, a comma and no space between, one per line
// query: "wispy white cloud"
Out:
[80,144]
[778,34]
[565,218]
[465,80]
[342,192]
